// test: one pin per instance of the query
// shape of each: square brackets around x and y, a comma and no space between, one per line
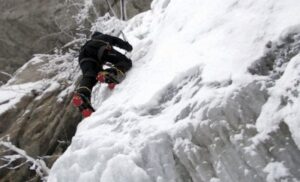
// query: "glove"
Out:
[128,47]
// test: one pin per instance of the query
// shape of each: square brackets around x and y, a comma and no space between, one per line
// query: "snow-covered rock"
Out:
[35,110]
[212,96]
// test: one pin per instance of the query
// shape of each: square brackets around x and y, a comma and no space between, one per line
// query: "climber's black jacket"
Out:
[99,45]
[108,39]
[99,51]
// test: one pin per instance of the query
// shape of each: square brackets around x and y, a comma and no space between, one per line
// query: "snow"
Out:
[189,57]
[276,171]
[11,95]
[274,112]
[122,168]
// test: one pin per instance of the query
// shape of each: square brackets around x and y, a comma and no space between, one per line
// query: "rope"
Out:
[115,15]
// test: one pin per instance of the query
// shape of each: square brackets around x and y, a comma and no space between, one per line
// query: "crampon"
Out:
[110,79]
[83,104]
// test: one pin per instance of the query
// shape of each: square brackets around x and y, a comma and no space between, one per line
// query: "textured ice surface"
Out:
[189,110]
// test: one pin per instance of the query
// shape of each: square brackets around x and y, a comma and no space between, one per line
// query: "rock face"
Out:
[43,121]
[32,26]
[29,27]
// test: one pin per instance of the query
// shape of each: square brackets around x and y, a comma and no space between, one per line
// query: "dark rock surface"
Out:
[32,26]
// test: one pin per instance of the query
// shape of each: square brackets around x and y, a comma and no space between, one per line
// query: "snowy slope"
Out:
[187,110]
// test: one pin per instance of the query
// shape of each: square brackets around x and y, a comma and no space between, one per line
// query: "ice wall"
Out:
[202,101]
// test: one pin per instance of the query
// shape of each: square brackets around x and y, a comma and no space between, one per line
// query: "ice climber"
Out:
[94,54]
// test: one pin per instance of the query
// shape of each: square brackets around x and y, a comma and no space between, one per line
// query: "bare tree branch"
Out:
[37,165]
[6,74]
[111,9]
[123,4]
